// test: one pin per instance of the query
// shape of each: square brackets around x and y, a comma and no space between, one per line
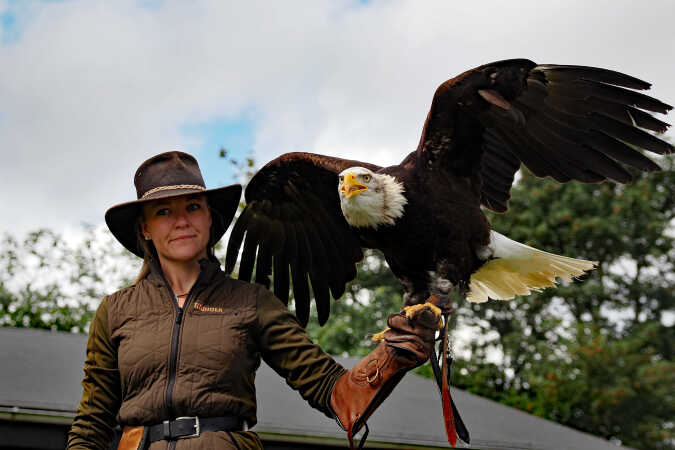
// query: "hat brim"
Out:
[122,219]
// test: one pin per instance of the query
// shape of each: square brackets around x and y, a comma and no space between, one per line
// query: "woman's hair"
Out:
[148,248]
[150,253]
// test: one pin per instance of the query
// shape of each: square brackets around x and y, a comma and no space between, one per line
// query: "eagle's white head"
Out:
[370,199]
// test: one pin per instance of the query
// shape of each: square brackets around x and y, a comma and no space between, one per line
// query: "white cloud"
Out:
[91,88]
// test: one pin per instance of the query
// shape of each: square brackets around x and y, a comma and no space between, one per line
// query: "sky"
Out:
[89,89]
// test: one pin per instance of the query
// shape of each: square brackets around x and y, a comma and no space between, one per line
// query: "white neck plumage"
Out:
[380,205]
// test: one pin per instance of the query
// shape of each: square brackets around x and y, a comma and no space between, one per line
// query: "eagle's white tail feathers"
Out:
[519,270]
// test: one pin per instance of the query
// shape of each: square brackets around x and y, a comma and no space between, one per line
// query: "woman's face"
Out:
[178,226]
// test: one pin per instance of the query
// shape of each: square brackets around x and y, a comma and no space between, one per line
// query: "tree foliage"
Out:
[595,354]
[50,282]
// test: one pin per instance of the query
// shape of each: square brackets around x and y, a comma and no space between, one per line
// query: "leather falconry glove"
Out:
[408,343]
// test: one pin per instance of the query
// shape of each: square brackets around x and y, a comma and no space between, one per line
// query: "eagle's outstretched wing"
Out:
[293,220]
[567,122]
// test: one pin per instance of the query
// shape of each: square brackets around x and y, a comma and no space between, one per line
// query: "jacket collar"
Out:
[209,270]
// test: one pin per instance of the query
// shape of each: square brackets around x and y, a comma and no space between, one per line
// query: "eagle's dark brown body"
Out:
[566,122]
[455,234]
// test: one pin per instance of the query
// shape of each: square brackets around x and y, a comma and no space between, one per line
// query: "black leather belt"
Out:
[187,427]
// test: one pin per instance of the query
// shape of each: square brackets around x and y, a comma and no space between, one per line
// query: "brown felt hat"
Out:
[169,175]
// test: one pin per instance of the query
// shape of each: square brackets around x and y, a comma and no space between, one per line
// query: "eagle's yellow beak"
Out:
[351,186]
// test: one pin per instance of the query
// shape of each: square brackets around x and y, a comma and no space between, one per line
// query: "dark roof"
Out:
[42,370]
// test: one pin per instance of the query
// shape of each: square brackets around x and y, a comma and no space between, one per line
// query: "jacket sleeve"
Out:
[287,349]
[96,414]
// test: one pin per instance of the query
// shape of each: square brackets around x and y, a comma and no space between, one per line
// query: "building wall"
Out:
[32,435]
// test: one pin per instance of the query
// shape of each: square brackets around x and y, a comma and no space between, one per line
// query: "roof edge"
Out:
[338,443]
[16,414]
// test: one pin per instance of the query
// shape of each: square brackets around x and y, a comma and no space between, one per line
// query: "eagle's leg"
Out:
[441,281]
[416,292]
[416,297]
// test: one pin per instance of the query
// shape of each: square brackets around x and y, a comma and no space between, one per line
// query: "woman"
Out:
[172,358]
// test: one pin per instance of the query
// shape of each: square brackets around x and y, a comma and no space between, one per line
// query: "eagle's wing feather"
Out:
[293,227]
[567,122]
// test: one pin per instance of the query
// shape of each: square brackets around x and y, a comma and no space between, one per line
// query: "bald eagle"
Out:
[308,217]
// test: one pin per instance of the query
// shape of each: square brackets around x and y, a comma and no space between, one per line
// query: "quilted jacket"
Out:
[148,360]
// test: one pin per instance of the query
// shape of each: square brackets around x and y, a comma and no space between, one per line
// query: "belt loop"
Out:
[166,429]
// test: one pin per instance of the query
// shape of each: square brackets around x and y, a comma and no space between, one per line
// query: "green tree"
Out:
[616,388]
[52,283]
[594,354]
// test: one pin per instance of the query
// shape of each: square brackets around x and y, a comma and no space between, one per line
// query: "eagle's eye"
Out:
[341,178]
[366,178]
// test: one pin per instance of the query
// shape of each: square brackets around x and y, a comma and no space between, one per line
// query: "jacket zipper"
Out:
[173,361]
[175,339]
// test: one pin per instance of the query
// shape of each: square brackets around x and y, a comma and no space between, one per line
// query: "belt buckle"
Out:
[196,425]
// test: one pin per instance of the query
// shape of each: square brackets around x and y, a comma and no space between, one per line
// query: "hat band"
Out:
[170,188]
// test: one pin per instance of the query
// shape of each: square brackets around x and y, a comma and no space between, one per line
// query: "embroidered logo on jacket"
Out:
[202,307]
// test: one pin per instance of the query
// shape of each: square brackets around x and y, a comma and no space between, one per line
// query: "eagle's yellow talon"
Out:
[377,337]
[411,311]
